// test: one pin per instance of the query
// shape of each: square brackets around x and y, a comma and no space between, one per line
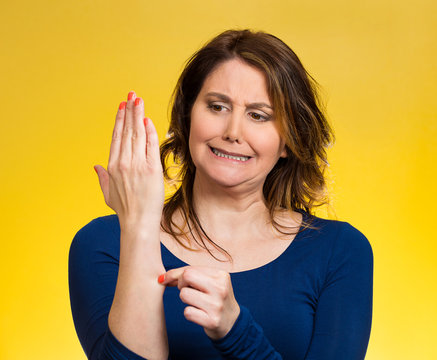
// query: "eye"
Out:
[258,117]
[216,107]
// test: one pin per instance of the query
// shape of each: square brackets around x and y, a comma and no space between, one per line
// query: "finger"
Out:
[198,278]
[196,298]
[171,277]
[103,180]
[126,140]
[138,132]
[197,316]
[117,133]
[152,143]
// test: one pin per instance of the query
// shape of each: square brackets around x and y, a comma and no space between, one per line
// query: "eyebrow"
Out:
[256,105]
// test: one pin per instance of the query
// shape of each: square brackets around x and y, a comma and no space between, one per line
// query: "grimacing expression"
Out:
[234,138]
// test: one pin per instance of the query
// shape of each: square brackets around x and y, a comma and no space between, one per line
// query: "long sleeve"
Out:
[344,310]
[92,276]
[246,340]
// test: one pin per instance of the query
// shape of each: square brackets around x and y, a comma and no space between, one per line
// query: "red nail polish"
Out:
[122,105]
[161,278]
[131,95]
[137,101]
[95,170]
[145,121]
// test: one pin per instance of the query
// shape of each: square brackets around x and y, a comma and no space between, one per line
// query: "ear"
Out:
[284,152]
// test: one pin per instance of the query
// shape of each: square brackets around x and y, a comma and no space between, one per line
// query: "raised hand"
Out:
[133,184]
[133,187]
[209,296]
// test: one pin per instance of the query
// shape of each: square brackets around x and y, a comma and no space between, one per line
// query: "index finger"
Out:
[196,277]
[114,151]
[171,277]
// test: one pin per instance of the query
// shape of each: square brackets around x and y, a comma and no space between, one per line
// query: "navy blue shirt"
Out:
[313,302]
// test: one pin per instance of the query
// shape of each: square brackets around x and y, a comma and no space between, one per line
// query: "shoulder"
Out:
[345,253]
[100,233]
[96,228]
[341,239]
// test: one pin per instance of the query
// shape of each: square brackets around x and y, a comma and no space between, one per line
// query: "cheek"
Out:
[197,135]
[201,131]
[267,141]
[204,126]
[198,131]
[195,128]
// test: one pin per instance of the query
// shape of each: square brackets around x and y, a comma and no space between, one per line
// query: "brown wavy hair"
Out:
[296,182]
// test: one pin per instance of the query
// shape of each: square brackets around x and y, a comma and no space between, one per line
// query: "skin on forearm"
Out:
[136,317]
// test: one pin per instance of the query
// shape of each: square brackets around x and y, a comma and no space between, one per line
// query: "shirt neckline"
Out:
[298,236]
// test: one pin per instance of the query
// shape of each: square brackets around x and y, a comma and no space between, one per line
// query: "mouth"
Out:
[231,156]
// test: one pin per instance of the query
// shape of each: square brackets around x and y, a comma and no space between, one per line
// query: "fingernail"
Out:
[145,121]
[131,95]
[122,105]
[95,170]
[161,278]
[137,101]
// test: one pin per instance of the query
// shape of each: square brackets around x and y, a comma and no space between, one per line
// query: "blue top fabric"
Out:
[313,302]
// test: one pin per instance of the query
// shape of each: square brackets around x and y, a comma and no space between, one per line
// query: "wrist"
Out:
[141,249]
[238,328]
[141,263]
[221,333]
[145,223]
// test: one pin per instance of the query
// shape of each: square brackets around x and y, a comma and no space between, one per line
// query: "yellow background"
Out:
[66,65]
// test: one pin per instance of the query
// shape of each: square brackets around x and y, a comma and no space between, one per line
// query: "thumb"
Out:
[103,180]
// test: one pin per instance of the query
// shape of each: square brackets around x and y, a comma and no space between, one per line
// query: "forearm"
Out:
[136,317]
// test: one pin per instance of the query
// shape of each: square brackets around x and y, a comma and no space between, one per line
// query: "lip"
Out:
[228,160]
[228,153]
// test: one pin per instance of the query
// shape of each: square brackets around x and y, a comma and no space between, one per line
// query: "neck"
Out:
[229,213]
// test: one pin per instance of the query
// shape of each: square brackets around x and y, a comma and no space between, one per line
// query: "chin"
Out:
[227,179]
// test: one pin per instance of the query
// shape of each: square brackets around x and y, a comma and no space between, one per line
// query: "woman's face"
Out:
[234,138]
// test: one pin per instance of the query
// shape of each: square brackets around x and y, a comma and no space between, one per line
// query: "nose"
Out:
[234,128]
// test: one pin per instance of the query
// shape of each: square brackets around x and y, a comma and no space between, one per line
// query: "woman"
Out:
[248,272]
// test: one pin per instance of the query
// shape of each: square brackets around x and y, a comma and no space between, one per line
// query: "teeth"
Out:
[239,158]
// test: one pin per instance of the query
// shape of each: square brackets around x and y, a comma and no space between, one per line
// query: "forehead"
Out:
[238,80]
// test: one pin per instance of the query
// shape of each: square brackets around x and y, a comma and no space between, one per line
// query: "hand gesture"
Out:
[133,184]
[209,295]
